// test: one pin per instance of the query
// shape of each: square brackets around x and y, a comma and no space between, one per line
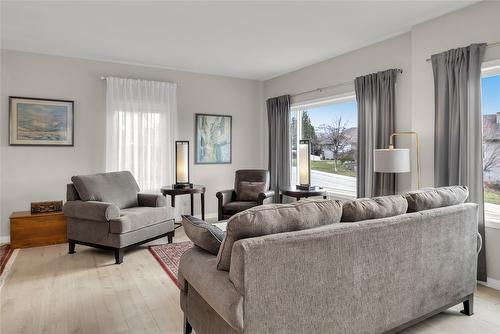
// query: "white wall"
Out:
[415,87]
[40,173]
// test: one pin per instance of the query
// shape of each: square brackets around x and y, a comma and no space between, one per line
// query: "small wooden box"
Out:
[40,229]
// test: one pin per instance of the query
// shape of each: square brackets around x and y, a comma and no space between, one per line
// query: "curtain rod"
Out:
[104,78]
[330,87]
[488,45]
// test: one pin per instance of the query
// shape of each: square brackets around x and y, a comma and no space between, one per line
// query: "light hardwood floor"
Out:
[50,291]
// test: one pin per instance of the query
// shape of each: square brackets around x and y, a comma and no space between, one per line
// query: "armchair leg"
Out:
[119,252]
[170,237]
[71,246]
[219,211]
[469,306]
[187,327]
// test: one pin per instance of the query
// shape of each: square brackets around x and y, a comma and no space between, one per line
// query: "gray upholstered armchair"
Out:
[107,211]
[232,201]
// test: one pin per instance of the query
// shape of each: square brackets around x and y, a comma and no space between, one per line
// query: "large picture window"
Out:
[331,127]
[490,83]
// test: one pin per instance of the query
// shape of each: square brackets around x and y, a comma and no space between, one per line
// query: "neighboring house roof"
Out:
[491,127]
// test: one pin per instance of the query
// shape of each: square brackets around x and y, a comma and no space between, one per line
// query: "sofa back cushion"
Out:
[373,208]
[432,198]
[276,218]
[119,188]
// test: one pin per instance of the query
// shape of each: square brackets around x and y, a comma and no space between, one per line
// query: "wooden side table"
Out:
[196,189]
[40,229]
[292,191]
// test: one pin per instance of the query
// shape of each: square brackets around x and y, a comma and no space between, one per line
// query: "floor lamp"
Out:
[396,160]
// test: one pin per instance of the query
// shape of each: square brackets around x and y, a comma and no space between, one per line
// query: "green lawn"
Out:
[492,197]
[327,166]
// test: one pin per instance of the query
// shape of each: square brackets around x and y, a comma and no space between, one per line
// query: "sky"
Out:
[491,94]
[328,113]
[331,112]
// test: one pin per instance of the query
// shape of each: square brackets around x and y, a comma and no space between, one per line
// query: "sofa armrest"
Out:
[91,210]
[151,200]
[266,197]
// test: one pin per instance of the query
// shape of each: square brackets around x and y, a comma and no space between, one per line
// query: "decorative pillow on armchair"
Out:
[249,191]
[202,234]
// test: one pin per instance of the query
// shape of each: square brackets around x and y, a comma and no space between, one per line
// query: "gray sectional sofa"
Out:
[107,211]
[313,267]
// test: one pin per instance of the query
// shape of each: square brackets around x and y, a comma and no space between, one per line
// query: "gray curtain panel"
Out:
[375,96]
[458,149]
[278,115]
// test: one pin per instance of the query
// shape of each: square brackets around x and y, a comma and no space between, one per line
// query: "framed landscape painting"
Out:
[213,139]
[40,122]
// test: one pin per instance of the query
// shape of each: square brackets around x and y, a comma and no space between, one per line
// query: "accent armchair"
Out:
[230,201]
[107,211]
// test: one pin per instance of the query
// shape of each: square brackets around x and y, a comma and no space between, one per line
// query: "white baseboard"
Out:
[5,239]
[491,283]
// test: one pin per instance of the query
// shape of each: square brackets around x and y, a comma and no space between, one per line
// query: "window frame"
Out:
[491,216]
[298,108]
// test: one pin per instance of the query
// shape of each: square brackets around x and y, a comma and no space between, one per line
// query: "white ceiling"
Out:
[254,40]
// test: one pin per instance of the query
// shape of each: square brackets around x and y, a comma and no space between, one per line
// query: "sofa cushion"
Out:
[238,206]
[432,198]
[373,208]
[249,191]
[276,218]
[203,234]
[118,188]
[132,219]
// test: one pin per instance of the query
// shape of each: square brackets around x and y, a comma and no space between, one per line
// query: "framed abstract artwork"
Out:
[40,122]
[213,139]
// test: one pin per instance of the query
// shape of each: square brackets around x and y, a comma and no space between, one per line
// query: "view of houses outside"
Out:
[491,143]
[332,131]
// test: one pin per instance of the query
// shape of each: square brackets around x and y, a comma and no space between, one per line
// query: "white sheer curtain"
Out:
[141,122]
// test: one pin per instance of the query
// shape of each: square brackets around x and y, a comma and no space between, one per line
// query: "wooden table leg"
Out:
[192,204]
[202,206]
[172,198]
[281,198]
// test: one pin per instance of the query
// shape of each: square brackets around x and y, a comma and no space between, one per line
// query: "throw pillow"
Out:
[202,234]
[436,198]
[276,218]
[373,208]
[249,191]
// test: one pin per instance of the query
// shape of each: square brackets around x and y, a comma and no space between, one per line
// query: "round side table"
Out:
[196,189]
[292,191]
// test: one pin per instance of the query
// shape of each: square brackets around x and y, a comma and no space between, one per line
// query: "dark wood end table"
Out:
[196,189]
[292,191]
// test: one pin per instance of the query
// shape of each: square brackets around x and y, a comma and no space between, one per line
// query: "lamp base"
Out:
[182,185]
[305,187]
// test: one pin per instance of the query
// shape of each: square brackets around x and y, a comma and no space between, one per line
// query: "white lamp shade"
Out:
[304,156]
[393,160]
[182,162]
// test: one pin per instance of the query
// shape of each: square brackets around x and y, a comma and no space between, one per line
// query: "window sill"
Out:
[492,223]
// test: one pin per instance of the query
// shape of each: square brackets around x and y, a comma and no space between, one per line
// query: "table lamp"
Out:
[182,165]
[304,164]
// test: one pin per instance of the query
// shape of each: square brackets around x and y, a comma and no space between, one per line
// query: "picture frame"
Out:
[40,122]
[213,139]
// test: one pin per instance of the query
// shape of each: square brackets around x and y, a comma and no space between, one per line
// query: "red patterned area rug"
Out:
[168,255]
[5,253]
